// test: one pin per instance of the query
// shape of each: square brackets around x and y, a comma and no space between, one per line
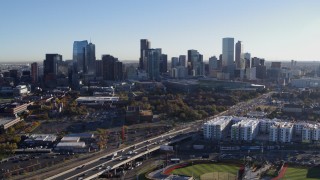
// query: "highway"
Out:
[109,162]
[96,167]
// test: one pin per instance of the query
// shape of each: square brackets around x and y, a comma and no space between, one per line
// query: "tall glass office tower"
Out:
[79,55]
[153,58]
[227,51]
[144,46]
[90,59]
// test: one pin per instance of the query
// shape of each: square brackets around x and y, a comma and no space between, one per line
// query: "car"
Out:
[80,167]
[108,167]
[130,152]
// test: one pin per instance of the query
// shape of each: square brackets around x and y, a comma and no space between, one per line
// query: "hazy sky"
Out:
[271,29]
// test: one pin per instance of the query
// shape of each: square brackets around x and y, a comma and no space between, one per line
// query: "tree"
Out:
[16,139]
[102,138]
[11,130]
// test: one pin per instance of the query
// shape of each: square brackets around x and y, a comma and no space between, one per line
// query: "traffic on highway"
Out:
[129,157]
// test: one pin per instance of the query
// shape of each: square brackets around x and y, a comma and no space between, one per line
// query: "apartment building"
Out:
[245,130]
[281,132]
[217,127]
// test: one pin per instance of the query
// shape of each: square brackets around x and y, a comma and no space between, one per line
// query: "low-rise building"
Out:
[20,90]
[36,140]
[7,122]
[292,108]
[98,100]
[70,139]
[75,147]
[12,109]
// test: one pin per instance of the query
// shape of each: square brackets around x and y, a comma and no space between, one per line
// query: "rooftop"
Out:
[71,144]
[66,138]
[219,120]
[94,98]
[6,120]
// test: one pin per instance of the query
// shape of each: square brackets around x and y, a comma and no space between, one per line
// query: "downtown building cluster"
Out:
[249,129]
[84,69]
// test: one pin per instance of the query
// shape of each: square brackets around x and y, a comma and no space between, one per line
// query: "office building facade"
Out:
[153,60]
[144,46]
[79,56]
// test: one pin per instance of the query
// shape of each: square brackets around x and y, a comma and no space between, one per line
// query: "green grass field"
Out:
[200,169]
[295,173]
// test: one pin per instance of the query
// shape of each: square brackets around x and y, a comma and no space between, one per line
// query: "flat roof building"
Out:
[94,99]
[7,122]
[281,132]
[70,139]
[245,130]
[216,128]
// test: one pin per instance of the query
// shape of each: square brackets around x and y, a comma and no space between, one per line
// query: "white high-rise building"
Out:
[281,132]
[307,132]
[245,130]
[286,130]
[316,133]
[215,128]
[273,133]
[265,125]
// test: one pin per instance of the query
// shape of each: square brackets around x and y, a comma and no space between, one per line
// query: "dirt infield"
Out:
[218,176]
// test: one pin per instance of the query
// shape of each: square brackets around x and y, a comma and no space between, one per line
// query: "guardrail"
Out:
[137,156]
[95,160]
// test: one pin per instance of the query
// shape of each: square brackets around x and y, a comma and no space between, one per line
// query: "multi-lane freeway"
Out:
[112,161]
[117,158]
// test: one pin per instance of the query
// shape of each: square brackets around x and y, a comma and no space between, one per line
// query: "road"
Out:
[107,162]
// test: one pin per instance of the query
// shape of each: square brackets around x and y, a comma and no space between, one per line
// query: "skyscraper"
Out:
[174,62]
[153,58]
[50,69]
[51,63]
[183,60]
[99,68]
[247,58]
[79,55]
[213,63]
[112,68]
[144,46]
[195,60]
[227,51]
[240,63]
[90,59]
[34,72]
[163,63]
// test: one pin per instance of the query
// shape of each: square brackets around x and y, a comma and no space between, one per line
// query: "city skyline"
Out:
[272,30]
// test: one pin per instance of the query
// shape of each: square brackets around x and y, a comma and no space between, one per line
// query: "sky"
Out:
[270,29]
